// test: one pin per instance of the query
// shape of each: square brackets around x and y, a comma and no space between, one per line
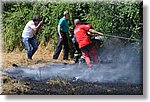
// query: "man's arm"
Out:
[59,27]
[92,31]
[36,28]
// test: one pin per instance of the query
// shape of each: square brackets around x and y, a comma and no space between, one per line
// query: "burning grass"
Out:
[60,86]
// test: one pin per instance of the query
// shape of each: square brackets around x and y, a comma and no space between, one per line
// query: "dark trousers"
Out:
[77,52]
[64,42]
[76,45]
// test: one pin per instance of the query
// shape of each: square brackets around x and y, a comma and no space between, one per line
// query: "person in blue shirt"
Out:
[63,29]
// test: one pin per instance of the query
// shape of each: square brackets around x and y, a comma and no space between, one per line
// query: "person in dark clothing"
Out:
[63,29]
[77,52]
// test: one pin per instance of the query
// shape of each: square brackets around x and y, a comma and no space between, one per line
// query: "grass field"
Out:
[42,55]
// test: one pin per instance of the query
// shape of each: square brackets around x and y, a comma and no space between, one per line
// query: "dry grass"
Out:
[42,55]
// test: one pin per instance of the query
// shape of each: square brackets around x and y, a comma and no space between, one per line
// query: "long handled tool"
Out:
[114,36]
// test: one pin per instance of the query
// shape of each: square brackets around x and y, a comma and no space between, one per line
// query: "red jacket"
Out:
[80,32]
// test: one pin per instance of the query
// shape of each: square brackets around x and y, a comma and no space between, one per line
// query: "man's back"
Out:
[80,32]
[64,25]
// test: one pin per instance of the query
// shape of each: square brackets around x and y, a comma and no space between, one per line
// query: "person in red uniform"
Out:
[82,32]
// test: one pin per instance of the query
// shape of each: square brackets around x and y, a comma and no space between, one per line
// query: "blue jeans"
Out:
[31,46]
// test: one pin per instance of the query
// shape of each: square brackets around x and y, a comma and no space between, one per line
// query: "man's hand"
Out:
[60,36]
[89,33]
[100,33]
[41,22]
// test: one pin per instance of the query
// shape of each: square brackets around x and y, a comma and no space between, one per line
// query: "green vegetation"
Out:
[116,18]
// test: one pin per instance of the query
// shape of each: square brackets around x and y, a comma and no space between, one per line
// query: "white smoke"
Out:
[119,63]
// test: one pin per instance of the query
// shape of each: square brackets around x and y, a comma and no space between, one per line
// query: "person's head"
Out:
[36,19]
[77,21]
[66,14]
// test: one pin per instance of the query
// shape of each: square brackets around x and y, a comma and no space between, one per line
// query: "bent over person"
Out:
[63,28]
[85,43]
[28,35]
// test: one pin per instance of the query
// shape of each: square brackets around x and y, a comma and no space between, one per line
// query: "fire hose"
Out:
[114,36]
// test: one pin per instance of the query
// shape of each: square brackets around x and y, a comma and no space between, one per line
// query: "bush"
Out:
[116,18]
